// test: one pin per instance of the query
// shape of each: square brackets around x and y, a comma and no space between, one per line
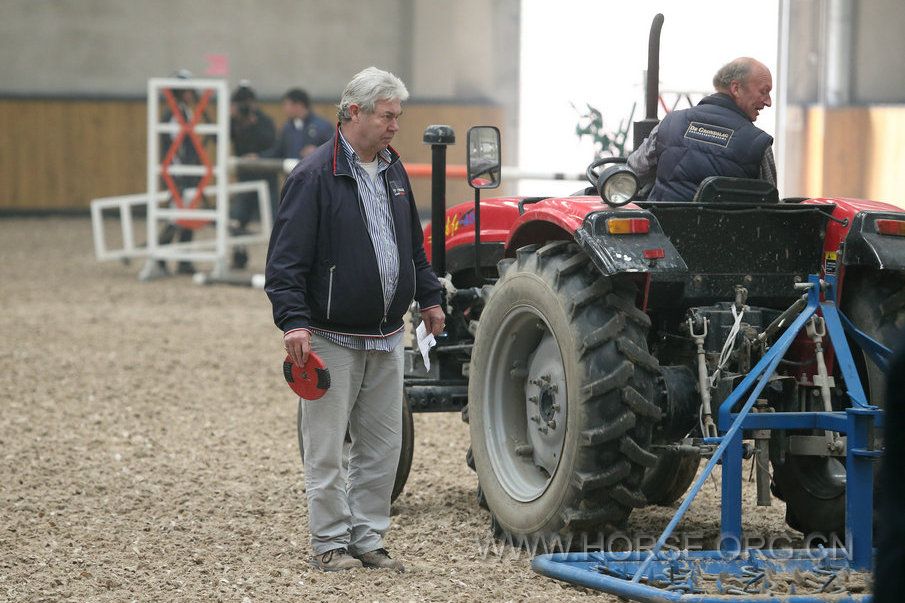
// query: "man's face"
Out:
[752,96]
[294,110]
[376,130]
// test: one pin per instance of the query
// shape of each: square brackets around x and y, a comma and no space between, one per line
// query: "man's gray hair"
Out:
[734,71]
[366,88]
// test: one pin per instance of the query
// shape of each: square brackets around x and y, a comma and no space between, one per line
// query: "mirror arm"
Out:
[477,236]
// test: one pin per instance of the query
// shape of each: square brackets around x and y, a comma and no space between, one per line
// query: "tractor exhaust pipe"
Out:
[438,137]
[652,90]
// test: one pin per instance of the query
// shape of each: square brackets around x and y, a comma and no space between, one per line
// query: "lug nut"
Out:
[555,407]
[551,423]
[532,399]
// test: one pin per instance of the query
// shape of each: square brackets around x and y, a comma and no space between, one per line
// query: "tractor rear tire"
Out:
[560,399]
[405,455]
[814,487]
[665,483]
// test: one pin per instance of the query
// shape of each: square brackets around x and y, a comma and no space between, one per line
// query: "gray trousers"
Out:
[352,510]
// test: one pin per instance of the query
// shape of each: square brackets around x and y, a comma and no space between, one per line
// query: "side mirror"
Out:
[484,166]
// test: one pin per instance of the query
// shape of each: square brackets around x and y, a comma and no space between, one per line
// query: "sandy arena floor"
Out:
[149,452]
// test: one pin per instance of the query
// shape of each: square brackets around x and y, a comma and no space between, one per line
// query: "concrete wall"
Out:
[462,50]
[879,46]
[478,58]
[450,54]
[875,42]
[843,113]
[111,47]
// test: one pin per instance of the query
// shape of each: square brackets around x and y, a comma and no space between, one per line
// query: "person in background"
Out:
[346,258]
[715,138]
[251,131]
[303,131]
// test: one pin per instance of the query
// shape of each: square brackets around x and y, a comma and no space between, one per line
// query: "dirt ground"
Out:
[149,452]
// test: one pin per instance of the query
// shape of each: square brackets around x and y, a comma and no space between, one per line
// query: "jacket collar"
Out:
[341,166]
[723,100]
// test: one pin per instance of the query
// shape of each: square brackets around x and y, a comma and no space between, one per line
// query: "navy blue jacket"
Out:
[713,138]
[321,267]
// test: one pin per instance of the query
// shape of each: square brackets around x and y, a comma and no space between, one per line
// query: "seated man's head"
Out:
[748,82]
[296,104]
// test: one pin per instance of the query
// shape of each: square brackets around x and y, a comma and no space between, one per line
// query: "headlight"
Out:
[617,185]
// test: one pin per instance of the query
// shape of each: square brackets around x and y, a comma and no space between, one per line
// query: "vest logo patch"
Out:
[709,133]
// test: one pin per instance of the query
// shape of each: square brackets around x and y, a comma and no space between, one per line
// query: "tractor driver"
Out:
[717,137]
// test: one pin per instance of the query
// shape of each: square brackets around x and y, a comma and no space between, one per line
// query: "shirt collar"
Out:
[384,156]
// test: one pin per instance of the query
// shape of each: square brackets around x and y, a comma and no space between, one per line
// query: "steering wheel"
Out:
[591,172]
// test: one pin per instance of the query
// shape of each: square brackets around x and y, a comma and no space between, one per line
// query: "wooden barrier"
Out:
[855,152]
[60,154]
[63,153]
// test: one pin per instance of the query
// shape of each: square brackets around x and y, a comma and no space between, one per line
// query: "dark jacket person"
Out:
[346,259]
[715,138]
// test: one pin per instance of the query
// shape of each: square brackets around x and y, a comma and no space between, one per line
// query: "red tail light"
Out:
[620,226]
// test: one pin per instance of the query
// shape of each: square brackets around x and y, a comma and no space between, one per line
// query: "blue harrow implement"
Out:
[808,574]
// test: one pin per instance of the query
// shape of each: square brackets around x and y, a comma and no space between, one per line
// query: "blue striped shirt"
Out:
[379,220]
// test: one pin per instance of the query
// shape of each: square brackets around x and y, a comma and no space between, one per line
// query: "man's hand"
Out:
[434,320]
[298,345]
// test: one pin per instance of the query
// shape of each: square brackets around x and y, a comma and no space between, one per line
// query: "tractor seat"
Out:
[722,189]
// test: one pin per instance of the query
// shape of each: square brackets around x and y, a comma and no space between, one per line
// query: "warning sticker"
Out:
[829,262]
[709,133]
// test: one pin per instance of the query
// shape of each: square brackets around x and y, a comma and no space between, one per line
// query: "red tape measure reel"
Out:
[310,381]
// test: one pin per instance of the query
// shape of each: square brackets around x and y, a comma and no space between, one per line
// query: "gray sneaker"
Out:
[380,558]
[335,560]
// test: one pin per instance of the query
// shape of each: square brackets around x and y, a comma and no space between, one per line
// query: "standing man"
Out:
[715,138]
[345,260]
[303,131]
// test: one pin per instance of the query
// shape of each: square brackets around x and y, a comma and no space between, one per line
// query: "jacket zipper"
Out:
[330,291]
[414,280]
[386,189]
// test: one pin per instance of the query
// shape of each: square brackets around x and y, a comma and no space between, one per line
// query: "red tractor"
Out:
[592,338]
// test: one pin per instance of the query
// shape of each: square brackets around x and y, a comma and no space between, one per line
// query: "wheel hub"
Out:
[546,404]
[526,389]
